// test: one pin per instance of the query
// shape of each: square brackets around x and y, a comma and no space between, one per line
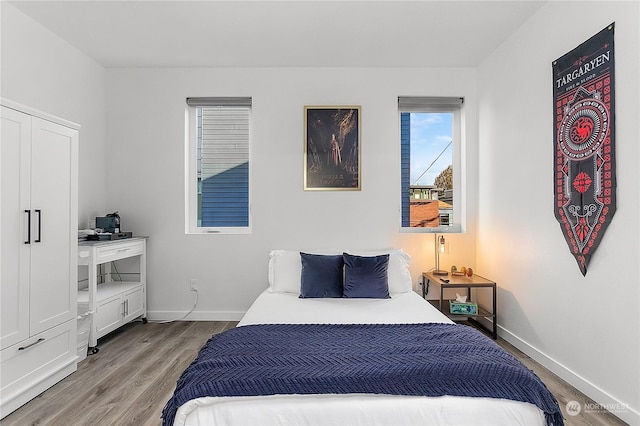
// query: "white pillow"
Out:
[398,272]
[285,269]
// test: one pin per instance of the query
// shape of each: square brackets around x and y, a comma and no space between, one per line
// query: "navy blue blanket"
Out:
[394,359]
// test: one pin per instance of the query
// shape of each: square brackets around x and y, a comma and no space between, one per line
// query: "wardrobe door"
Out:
[53,229]
[14,219]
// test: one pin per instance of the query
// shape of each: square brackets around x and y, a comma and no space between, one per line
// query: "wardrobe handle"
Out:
[39,239]
[32,344]
[28,212]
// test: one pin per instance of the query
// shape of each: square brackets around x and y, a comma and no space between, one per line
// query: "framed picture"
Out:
[332,148]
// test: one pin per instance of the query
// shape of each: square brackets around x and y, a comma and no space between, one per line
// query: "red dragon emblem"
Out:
[581,129]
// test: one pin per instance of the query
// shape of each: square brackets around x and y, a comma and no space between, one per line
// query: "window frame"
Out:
[454,105]
[191,167]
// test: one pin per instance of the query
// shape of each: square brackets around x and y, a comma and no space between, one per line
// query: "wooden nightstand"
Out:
[458,281]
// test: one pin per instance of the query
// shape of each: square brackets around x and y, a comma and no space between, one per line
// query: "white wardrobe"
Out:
[39,215]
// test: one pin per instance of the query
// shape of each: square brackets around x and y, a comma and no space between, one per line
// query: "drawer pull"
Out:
[123,250]
[32,344]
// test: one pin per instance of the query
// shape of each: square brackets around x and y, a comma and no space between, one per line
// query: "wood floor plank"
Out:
[131,378]
[148,406]
[565,393]
[110,391]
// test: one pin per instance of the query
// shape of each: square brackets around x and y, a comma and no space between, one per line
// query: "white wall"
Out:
[145,130]
[583,328]
[41,71]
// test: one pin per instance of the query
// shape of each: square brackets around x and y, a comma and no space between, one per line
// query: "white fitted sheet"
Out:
[288,308]
[351,409]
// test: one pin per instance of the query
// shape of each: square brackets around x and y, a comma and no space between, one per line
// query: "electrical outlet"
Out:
[193,283]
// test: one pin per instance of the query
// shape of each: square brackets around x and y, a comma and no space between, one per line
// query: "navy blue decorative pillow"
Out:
[322,275]
[366,277]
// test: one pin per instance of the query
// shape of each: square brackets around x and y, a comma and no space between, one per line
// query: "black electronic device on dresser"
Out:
[110,225]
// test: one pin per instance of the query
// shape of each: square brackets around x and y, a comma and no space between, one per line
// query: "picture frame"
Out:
[332,148]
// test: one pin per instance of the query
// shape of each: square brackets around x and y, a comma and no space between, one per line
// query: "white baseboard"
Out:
[620,409]
[195,316]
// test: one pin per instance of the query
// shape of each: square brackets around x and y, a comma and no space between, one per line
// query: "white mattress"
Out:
[352,409]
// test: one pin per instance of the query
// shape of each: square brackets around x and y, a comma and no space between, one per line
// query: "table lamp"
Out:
[439,248]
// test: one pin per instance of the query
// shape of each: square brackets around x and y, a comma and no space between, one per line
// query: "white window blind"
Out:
[428,103]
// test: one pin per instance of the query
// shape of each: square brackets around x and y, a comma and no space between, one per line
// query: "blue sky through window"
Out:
[430,135]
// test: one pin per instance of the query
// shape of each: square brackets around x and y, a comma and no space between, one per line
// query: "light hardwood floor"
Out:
[133,375]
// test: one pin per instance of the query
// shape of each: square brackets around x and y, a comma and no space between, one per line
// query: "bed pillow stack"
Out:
[336,273]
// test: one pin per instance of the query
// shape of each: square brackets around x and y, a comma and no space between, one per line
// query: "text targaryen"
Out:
[583,69]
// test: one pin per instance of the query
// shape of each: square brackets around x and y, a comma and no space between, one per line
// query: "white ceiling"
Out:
[325,33]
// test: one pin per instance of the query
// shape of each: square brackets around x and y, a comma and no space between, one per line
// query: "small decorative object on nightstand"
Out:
[463,308]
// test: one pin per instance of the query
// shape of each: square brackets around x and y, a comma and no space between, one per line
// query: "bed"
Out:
[347,342]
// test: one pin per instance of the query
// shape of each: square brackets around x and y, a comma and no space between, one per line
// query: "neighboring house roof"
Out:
[424,213]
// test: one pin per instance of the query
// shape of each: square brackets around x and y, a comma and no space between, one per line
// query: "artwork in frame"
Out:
[332,148]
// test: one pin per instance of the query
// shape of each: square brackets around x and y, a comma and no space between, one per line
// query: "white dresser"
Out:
[39,214]
[115,297]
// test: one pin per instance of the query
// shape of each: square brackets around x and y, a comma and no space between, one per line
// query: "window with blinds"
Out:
[218,184]
[430,164]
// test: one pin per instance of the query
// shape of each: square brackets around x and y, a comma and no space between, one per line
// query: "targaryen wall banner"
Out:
[584,142]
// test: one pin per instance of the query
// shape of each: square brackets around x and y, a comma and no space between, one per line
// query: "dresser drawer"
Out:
[119,251]
[27,365]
